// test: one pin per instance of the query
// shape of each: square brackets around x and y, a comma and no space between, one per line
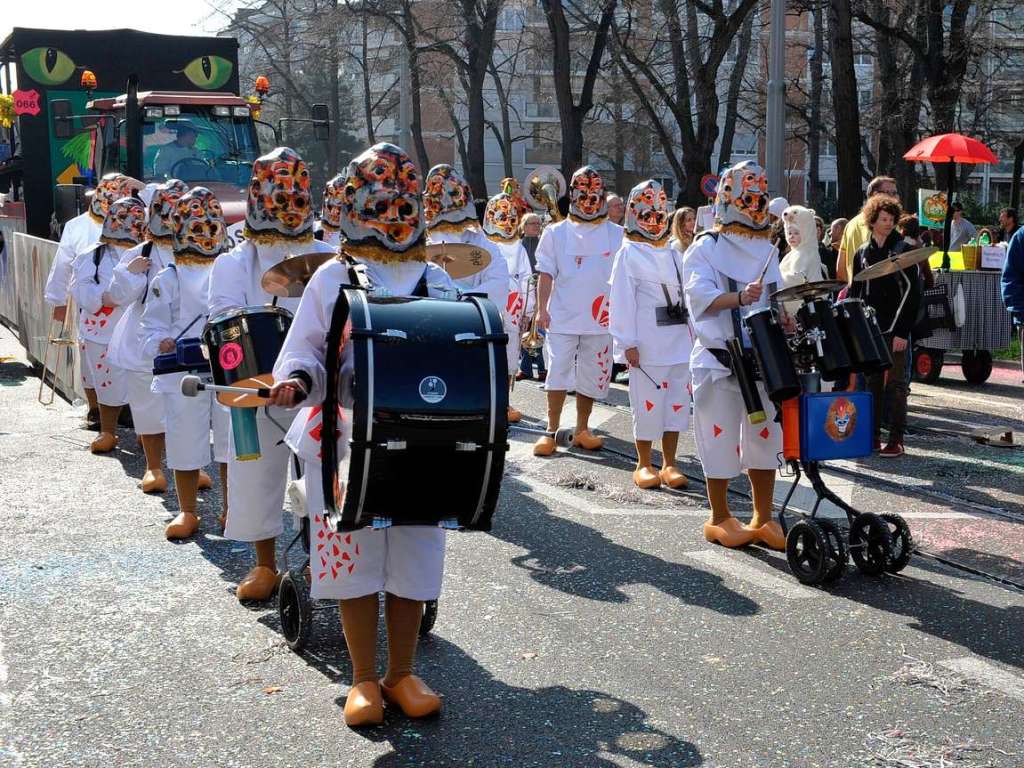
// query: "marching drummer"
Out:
[330,213]
[278,224]
[649,324]
[727,273]
[383,227]
[175,308]
[124,227]
[501,224]
[574,259]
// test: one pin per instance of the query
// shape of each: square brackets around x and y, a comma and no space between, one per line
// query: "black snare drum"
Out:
[774,361]
[861,334]
[429,409]
[242,346]
[831,357]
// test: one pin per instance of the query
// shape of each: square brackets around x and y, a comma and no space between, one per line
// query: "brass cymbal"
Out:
[895,264]
[459,260]
[289,278]
[808,291]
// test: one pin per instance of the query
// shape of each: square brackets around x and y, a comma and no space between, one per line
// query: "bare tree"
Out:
[849,167]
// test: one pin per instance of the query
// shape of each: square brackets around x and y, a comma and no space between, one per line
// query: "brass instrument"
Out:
[53,342]
[531,339]
[545,186]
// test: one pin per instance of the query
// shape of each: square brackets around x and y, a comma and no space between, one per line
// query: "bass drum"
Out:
[429,410]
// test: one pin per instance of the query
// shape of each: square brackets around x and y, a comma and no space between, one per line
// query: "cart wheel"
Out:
[902,542]
[295,609]
[429,617]
[976,365]
[870,544]
[927,365]
[807,552]
[839,554]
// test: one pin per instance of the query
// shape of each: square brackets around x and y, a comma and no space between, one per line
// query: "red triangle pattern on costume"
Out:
[718,430]
[649,405]
[677,407]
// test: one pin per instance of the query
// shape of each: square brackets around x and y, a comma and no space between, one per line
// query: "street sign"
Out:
[709,184]
[26,102]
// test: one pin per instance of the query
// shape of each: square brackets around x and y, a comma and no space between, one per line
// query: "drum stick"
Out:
[767,263]
[191,386]
[645,373]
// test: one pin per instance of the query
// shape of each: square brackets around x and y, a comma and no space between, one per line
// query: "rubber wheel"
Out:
[295,609]
[976,365]
[902,542]
[429,617]
[870,544]
[838,553]
[807,552]
[927,365]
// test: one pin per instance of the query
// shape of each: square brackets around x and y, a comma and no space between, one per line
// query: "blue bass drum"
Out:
[429,411]
[836,425]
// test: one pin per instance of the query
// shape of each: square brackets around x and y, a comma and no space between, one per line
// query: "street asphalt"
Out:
[592,627]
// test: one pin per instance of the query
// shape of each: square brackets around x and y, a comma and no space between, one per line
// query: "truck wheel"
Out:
[976,365]
[927,365]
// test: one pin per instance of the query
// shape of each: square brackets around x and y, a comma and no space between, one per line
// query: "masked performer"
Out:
[727,273]
[330,216]
[574,259]
[79,234]
[649,324]
[123,228]
[129,288]
[383,228]
[176,307]
[278,224]
[501,225]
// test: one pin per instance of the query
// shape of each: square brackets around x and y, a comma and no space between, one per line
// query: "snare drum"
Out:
[832,361]
[774,361]
[242,346]
[860,332]
[428,411]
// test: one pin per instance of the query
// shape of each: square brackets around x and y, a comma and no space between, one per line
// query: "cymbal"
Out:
[459,260]
[808,291]
[289,278]
[895,264]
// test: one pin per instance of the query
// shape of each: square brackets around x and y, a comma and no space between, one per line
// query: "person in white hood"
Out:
[124,227]
[278,224]
[649,324]
[802,264]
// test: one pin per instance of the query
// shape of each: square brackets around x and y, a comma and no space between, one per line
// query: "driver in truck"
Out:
[182,148]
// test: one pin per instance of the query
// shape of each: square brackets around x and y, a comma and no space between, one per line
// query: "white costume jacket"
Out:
[79,233]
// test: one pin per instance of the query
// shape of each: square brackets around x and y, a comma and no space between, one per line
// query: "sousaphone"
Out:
[543,187]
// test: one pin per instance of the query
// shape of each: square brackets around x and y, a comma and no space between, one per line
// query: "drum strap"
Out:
[329,413]
[146,250]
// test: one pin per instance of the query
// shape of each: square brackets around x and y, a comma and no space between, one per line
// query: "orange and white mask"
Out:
[161,206]
[742,199]
[587,195]
[125,223]
[199,232]
[647,215]
[447,197]
[501,218]
[111,187]
[330,217]
[279,204]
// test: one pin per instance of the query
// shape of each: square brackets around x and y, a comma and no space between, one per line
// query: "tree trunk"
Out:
[335,92]
[416,124]
[732,98]
[814,134]
[478,40]
[371,137]
[1018,168]
[846,108]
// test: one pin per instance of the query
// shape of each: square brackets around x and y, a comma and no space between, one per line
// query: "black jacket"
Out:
[896,297]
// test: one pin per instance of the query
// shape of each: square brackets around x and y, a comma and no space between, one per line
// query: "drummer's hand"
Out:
[59,313]
[633,357]
[751,294]
[283,393]
[898,344]
[138,265]
[107,301]
[543,320]
[788,324]
[167,345]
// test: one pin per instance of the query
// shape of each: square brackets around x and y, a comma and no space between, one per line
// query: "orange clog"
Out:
[413,697]
[729,533]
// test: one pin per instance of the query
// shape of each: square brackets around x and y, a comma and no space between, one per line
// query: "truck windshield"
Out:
[198,145]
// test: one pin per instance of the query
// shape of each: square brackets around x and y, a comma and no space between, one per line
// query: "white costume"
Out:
[79,233]
[726,441]
[256,489]
[803,262]
[646,281]
[577,351]
[407,561]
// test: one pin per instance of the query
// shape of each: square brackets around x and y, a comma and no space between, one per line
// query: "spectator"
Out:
[910,228]
[777,234]
[1013,285]
[961,232]
[775,208]
[857,232]
[826,251]
[684,221]
[895,299]
[529,236]
[1009,223]
[616,209]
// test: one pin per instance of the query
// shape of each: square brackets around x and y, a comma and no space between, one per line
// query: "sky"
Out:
[180,17]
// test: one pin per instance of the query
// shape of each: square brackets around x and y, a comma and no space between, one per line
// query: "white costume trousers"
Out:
[657,411]
[407,561]
[727,442]
[88,380]
[147,406]
[107,380]
[188,423]
[579,363]
[256,488]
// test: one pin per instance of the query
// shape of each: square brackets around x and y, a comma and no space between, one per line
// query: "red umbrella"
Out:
[949,148]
